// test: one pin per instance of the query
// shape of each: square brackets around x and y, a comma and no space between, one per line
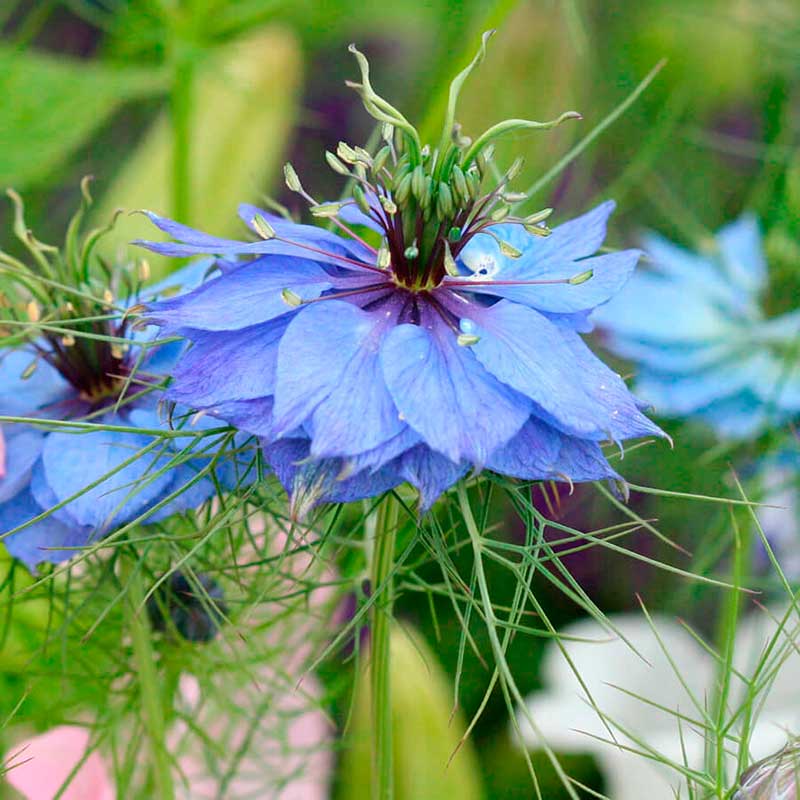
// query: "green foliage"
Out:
[51,106]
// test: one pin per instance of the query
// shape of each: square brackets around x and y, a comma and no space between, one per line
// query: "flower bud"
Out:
[776,777]
[194,608]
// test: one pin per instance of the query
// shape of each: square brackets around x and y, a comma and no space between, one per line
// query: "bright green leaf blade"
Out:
[50,106]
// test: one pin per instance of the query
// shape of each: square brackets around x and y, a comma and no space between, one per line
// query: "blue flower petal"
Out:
[430,473]
[576,239]
[119,497]
[555,368]
[444,393]
[228,365]
[384,453]
[742,253]
[329,371]
[190,497]
[22,448]
[34,544]
[540,452]
[249,295]
[610,273]
[353,215]
[23,396]
[252,416]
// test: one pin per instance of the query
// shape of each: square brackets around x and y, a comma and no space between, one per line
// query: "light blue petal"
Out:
[353,215]
[22,397]
[430,473]
[444,393]
[68,471]
[694,273]
[679,358]
[180,281]
[740,417]
[652,309]
[610,273]
[540,452]
[329,371]
[743,254]
[22,447]
[247,296]
[678,395]
[554,368]
[189,498]
[34,544]
[576,239]
[221,366]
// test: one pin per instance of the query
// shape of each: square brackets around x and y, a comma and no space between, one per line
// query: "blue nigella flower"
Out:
[444,337]
[99,479]
[703,347]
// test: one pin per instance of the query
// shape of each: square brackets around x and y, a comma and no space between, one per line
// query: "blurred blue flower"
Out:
[702,345]
[100,479]
[362,368]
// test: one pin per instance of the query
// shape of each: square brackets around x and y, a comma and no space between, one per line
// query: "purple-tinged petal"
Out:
[430,473]
[250,295]
[540,452]
[353,215]
[41,540]
[554,368]
[742,253]
[444,393]
[194,243]
[329,372]
[24,396]
[228,365]
[609,274]
[22,449]
[251,416]
[180,281]
[383,454]
[119,497]
[307,234]
[311,482]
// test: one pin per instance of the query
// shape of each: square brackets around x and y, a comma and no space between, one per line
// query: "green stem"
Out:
[383,546]
[152,698]
[181,106]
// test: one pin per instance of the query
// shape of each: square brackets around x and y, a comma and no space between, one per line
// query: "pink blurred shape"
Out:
[40,766]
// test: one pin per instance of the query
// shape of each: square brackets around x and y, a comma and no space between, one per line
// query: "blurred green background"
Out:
[116,89]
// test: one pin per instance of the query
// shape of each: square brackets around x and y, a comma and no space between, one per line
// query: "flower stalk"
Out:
[152,698]
[383,547]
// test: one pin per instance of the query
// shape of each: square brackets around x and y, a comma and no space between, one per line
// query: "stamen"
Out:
[373,287]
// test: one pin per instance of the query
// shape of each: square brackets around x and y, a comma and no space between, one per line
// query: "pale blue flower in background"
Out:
[693,325]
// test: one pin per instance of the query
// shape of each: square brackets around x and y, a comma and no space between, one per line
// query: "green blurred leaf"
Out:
[244,105]
[50,106]
[425,732]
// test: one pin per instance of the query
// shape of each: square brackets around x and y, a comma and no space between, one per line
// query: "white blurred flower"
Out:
[654,700]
